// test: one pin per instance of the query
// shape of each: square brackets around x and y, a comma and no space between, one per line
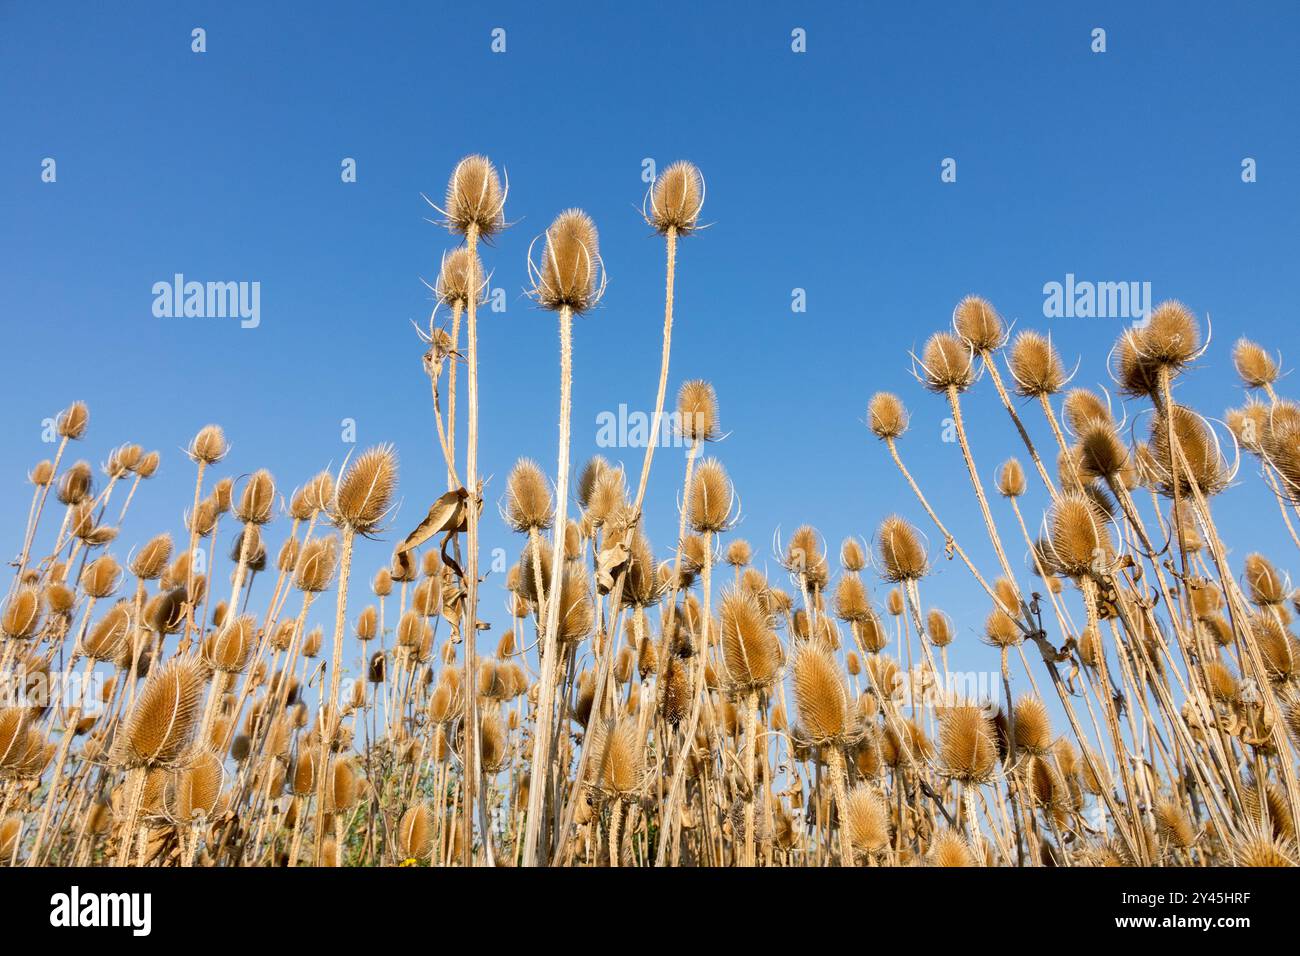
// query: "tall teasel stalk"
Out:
[475,205]
[207,448]
[570,279]
[675,202]
[361,502]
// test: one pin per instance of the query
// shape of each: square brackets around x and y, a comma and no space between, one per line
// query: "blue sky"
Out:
[823,173]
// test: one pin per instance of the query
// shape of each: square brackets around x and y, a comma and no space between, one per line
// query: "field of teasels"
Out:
[672,705]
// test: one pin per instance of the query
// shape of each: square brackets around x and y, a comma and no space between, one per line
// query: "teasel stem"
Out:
[955,402]
[447,436]
[328,720]
[992,367]
[835,764]
[474,778]
[31,531]
[65,742]
[668,835]
[949,540]
[751,743]
[134,797]
[614,845]
[543,721]
[194,541]
[616,593]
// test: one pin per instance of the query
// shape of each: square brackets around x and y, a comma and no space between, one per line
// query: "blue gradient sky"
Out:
[823,173]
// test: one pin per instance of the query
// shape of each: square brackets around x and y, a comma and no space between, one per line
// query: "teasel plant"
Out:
[676,706]
[570,280]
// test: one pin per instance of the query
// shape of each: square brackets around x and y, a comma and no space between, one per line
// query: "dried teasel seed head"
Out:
[1079,541]
[147,465]
[946,363]
[72,421]
[968,750]
[697,411]
[978,324]
[865,820]
[851,601]
[1035,365]
[571,273]
[1171,337]
[902,554]
[939,628]
[751,651]
[1264,584]
[42,473]
[257,501]
[886,416]
[853,558]
[617,763]
[366,489]
[21,618]
[475,198]
[458,280]
[588,477]
[676,199]
[101,577]
[1033,726]
[820,694]
[208,446]
[1201,459]
[528,497]
[1011,479]
[1255,366]
[739,553]
[159,727]
[711,498]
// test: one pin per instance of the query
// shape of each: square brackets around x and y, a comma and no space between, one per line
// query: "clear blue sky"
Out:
[823,173]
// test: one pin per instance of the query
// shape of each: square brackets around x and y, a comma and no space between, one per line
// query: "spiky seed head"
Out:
[528,497]
[1171,337]
[947,362]
[587,478]
[804,557]
[676,199]
[1101,452]
[209,445]
[1278,649]
[21,618]
[1079,541]
[1035,365]
[902,554]
[711,498]
[949,848]
[978,324]
[1011,479]
[1260,849]
[608,495]
[1256,367]
[616,766]
[697,411]
[820,694]
[366,490]
[866,820]
[1266,586]
[315,565]
[160,725]
[76,483]
[458,279]
[475,197]
[851,601]
[106,639]
[382,584]
[1249,425]
[42,473]
[230,648]
[1204,459]
[1033,726]
[577,613]
[72,421]
[887,416]
[1135,370]
[148,464]
[570,275]
[257,502]
[939,628]
[751,651]
[739,553]
[968,749]
[852,556]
